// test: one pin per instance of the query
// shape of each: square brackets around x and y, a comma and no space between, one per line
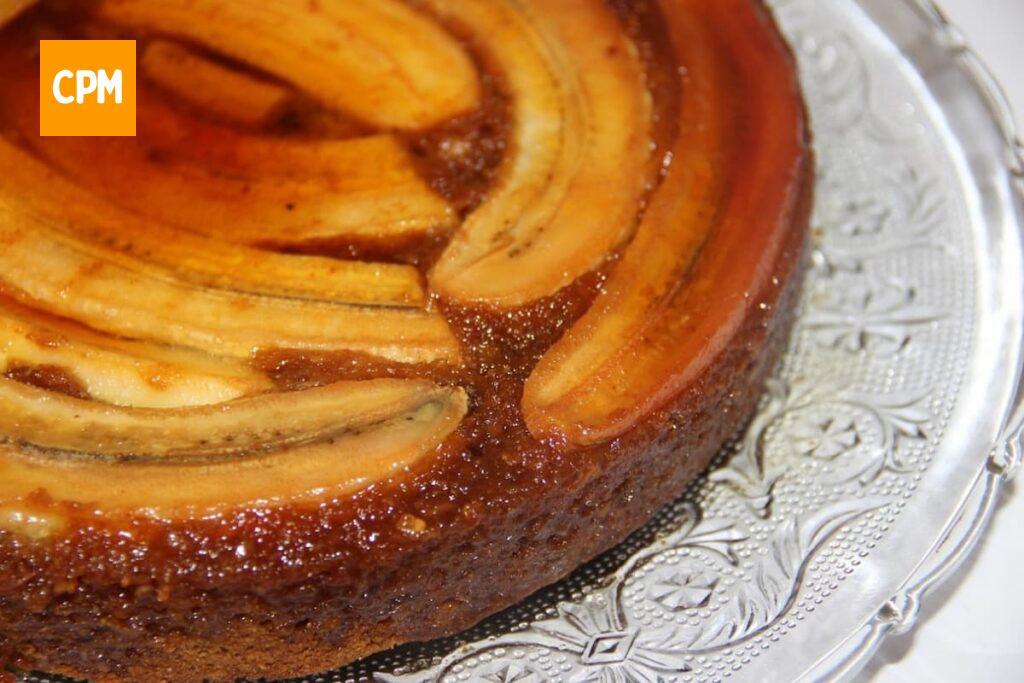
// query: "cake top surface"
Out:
[351,241]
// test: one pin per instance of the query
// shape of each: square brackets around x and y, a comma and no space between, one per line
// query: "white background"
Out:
[972,628]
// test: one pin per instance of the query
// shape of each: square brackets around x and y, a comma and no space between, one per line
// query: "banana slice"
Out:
[383,200]
[208,262]
[239,428]
[122,372]
[579,150]
[50,270]
[707,241]
[225,93]
[378,60]
[231,151]
[280,192]
[304,446]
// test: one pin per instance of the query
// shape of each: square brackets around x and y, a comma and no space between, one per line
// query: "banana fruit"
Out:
[284,448]
[120,371]
[46,268]
[702,256]
[238,428]
[381,61]
[203,261]
[580,146]
[259,203]
[218,90]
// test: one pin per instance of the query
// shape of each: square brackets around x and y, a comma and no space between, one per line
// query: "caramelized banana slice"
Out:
[708,239]
[580,147]
[378,60]
[181,138]
[122,372]
[72,210]
[243,427]
[351,190]
[65,276]
[338,438]
[382,199]
[225,93]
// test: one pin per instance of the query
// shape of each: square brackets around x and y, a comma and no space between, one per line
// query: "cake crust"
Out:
[494,514]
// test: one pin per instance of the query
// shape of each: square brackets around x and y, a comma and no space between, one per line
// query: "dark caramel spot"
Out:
[49,377]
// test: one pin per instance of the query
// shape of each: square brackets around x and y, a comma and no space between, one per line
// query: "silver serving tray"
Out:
[878,453]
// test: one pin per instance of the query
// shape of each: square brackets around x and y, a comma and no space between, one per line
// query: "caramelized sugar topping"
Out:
[516,240]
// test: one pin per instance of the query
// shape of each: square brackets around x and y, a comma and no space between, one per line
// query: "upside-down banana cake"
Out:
[393,312]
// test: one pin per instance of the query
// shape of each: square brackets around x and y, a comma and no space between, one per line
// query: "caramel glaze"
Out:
[459,159]
[49,377]
[495,516]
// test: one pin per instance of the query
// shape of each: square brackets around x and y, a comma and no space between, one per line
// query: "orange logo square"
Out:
[87,87]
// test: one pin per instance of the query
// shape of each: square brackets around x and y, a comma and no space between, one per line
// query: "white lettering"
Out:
[61,97]
[110,85]
[85,84]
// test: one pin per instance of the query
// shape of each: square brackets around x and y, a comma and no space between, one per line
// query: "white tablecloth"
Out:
[972,628]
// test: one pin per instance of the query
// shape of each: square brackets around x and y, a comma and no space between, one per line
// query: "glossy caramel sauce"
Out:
[485,467]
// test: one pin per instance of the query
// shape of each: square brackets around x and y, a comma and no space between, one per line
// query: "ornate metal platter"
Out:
[878,453]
